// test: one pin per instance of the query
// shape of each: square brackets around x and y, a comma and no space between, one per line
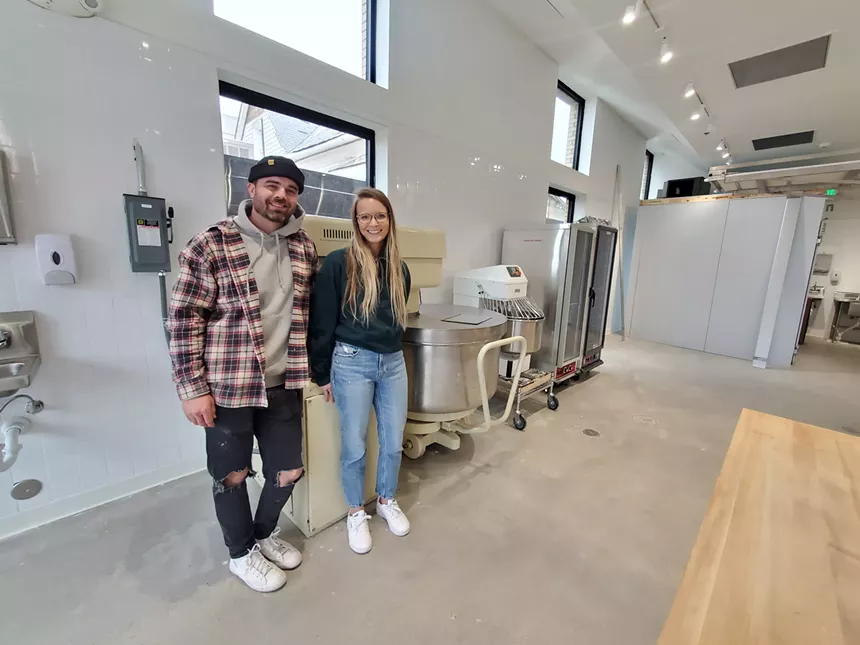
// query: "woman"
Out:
[358,314]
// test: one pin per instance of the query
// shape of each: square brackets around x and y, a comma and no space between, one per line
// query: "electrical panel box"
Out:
[147,233]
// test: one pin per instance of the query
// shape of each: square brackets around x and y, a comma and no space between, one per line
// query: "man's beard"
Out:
[278,217]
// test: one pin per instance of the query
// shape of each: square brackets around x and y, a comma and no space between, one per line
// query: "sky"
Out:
[328,30]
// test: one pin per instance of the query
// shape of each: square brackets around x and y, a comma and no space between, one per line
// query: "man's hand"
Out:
[327,393]
[200,411]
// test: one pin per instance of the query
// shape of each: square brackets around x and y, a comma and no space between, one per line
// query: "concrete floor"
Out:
[545,536]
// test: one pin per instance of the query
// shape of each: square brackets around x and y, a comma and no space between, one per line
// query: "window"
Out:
[559,206]
[336,156]
[646,175]
[341,33]
[238,149]
[567,126]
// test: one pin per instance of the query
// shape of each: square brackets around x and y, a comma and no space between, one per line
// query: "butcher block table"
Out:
[777,560]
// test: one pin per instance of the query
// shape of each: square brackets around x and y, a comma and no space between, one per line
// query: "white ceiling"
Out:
[601,57]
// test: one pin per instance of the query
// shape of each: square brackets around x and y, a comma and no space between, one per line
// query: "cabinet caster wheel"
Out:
[576,377]
[413,447]
[552,402]
[519,422]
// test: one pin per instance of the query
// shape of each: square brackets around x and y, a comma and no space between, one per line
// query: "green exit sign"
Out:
[831,192]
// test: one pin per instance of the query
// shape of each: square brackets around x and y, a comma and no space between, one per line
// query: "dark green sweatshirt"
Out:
[330,323]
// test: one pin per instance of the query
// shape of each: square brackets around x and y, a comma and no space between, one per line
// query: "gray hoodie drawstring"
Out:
[258,256]
[278,253]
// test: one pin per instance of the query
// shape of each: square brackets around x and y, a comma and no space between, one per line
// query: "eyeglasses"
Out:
[365,218]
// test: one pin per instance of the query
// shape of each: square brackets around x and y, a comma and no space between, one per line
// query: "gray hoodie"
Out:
[271,268]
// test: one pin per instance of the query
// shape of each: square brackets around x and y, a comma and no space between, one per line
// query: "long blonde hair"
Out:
[362,274]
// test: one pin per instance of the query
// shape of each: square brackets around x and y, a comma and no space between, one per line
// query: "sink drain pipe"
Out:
[11,430]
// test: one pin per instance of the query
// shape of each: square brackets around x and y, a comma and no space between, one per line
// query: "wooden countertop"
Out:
[777,559]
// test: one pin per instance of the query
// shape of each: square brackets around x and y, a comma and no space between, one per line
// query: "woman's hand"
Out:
[327,393]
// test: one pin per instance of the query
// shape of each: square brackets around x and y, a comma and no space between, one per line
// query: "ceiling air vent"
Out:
[781,63]
[783,140]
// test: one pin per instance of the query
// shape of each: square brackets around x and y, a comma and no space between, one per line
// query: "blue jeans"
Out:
[361,378]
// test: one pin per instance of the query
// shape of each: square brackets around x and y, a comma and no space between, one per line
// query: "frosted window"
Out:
[333,31]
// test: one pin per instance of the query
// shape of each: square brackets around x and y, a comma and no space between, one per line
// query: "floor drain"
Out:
[588,432]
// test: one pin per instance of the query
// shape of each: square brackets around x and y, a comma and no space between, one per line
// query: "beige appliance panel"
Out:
[317,501]
[422,250]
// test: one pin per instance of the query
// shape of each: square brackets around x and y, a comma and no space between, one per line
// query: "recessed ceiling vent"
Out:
[784,140]
[797,59]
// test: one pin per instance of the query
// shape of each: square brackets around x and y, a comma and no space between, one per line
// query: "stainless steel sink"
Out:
[19,351]
[11,369]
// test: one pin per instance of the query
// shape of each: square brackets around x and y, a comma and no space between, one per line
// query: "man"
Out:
[238,342]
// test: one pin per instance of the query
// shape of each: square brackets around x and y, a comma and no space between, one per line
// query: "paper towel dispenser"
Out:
[7,232]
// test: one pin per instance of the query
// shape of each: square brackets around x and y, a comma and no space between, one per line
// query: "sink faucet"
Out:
[5,339]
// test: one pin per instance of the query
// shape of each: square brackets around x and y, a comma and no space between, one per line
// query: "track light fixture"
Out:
[690,91]
[666,52]
[695,116]
[632,12]
[721,147]
[629,15]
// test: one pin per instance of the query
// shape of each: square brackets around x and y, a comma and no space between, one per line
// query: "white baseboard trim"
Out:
[68,506]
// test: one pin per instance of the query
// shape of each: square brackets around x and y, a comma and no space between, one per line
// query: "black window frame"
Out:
[371,40]
[576,98]
[649,159]
[571,198]
[250,97]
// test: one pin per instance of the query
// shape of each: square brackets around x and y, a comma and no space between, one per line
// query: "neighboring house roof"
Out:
[295,135]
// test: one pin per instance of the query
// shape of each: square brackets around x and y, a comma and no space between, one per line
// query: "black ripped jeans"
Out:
[229,445]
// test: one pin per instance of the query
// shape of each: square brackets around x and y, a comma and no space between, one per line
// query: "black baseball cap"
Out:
[274,166]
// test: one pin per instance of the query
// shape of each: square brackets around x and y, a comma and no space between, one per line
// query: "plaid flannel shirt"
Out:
[216,330]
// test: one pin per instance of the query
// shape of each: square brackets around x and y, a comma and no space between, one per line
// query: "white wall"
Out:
[447,107]
[113,424]
[842,239]
[463,141]
[668,166]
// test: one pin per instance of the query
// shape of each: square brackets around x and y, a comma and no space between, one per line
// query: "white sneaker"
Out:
[280,552]
[257,572]
[398,523]
[359,532]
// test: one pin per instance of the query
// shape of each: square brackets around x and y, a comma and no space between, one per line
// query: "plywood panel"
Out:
[749,242]
[676,259]
[777,560]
